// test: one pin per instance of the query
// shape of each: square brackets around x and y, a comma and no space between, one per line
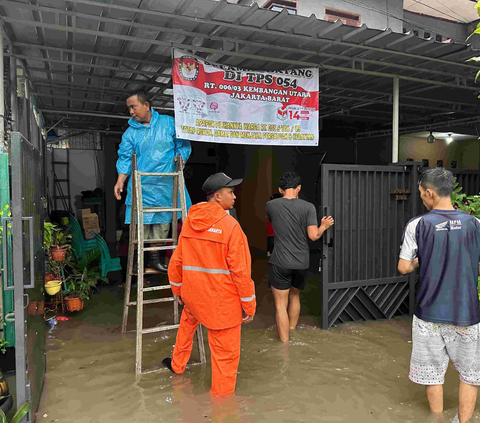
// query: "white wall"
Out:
[86,172]
[372,19]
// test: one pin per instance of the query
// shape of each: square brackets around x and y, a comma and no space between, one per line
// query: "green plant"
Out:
[60,239]
[48,230]
[21,412]
[9,224]
[81,282]
[468,204]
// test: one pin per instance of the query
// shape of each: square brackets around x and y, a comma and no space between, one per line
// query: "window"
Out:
[426,35]
[438,38]
[280,5]
[352,19]
[415,32]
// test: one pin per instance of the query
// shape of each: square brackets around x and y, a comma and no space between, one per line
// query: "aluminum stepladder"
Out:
[137,239]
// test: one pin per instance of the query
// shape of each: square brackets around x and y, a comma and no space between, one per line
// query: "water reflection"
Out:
[350,373]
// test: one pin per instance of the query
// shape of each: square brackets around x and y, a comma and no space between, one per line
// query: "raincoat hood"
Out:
[137,125]
[204,215]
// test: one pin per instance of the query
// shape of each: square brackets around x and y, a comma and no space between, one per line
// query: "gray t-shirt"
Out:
[290,218]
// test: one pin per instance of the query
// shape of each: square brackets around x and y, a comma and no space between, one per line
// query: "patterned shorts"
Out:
[435,343]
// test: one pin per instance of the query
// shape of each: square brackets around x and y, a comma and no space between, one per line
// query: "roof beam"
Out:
[163,61]
[257,44]
[101,78]
[417,128]
[89,65]
[213,22]
[88,100]
[197,20]
[274,59]
[74,112]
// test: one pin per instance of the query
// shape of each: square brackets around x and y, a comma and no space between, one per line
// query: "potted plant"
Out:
[79,286]
[59,246]
[19,415]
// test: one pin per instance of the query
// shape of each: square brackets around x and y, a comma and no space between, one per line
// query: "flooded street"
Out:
[350,373]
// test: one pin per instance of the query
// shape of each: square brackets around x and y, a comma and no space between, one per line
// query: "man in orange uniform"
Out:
[210,273]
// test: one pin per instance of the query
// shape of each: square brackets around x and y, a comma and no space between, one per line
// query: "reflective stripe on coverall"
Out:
[156,146]
[211,270]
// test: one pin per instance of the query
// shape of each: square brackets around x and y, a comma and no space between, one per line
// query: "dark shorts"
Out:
[281,278]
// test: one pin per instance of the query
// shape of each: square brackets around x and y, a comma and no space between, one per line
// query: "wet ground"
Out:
[350,373]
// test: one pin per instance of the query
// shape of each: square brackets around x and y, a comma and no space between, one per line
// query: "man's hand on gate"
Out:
[247,318]
[179,298]
[327,222]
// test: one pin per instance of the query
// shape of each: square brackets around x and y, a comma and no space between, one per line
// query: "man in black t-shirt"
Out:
[294,222]
[445,244]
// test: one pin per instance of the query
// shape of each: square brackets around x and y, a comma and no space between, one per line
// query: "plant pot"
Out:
[40,308]
[74,304]
[49,277]
[53,287]
[58,253]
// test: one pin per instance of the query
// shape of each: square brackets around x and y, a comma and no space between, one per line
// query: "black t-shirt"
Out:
[447,244]
[290,218]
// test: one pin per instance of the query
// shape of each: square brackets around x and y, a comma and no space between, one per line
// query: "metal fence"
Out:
[371,206]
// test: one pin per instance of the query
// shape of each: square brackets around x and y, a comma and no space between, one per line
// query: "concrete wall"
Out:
[372,18]
[447,29]
[465,152]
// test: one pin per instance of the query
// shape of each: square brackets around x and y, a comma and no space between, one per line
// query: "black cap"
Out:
[218,181]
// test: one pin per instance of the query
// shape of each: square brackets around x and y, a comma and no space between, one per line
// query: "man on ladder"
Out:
[210,273]
[152,137]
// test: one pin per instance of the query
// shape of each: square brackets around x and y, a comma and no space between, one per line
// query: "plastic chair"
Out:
[80,245]
[107,264]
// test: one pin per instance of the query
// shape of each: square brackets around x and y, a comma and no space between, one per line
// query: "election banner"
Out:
[224,104]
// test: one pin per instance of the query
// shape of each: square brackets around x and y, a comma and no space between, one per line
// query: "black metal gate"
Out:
[28,271]
[371,206]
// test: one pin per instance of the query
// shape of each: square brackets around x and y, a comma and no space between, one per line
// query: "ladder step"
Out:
[159,329]
[63,163]
[159,174]
[156,288]
[61,197]
[165,247]
[160,209]
[150,271]
[155,301]
[152,241]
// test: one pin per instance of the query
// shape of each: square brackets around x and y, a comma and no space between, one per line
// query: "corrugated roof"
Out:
[83,56]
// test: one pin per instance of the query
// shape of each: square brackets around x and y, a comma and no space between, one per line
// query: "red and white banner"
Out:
[218,103]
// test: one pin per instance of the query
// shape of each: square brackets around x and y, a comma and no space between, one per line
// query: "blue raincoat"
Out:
[156,146]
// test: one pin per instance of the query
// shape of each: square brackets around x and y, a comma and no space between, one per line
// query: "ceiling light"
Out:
[431,138]
[449,139]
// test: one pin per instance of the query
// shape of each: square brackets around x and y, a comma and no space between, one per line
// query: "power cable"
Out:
[436,10]
[382,12]
[453,11]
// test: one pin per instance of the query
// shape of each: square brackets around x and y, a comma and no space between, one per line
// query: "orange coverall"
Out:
[211,270]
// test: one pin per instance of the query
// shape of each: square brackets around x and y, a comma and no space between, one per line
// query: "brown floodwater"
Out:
[354,372]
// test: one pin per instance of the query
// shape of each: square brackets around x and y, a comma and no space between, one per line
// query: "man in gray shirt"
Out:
[294,222]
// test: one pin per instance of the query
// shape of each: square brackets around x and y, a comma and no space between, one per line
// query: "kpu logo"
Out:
[188,68]
[215,230]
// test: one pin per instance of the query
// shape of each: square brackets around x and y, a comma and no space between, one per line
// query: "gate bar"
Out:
[396,118]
